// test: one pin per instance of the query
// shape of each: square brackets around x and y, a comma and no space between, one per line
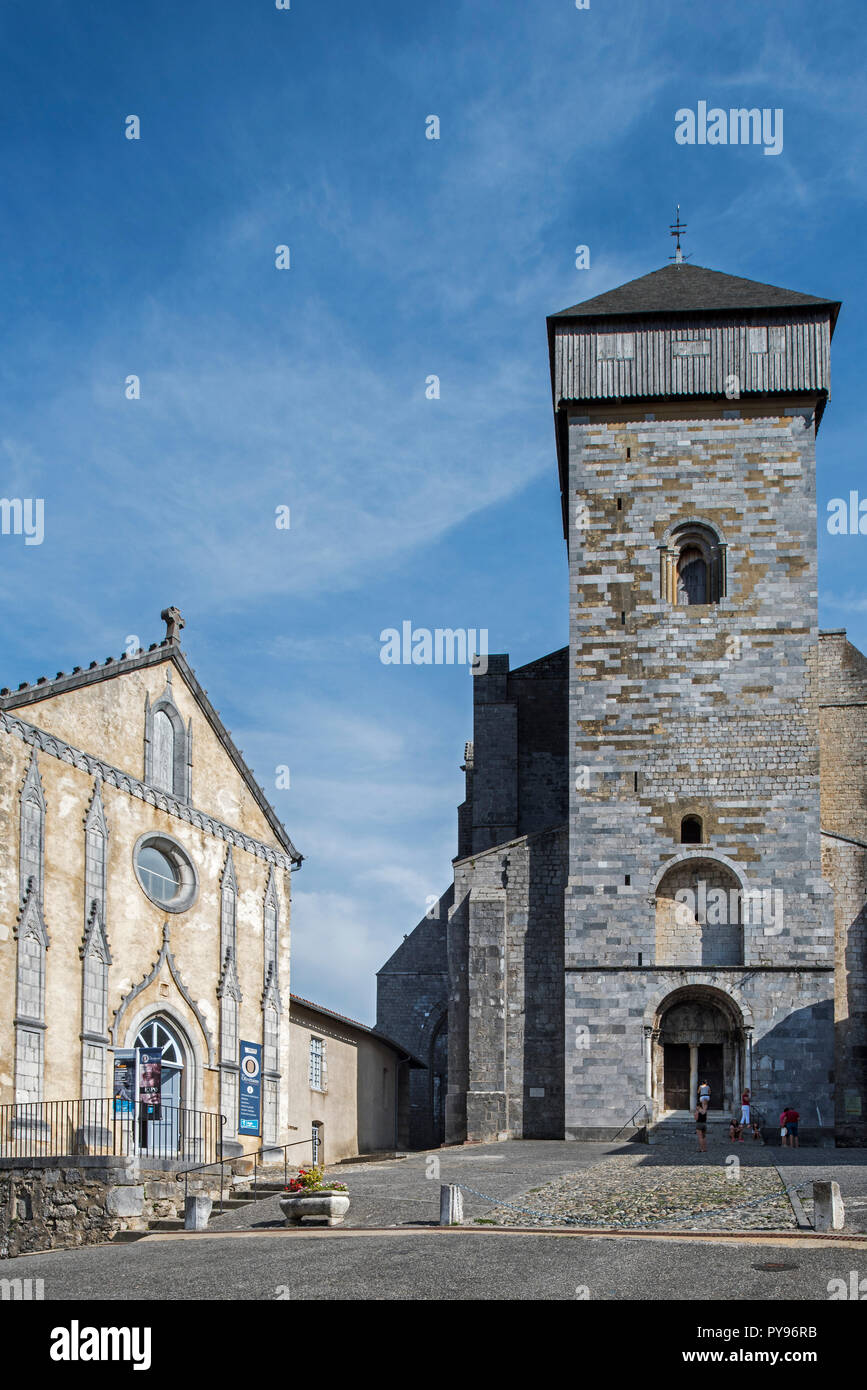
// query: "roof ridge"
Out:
[689,288]
[158,652]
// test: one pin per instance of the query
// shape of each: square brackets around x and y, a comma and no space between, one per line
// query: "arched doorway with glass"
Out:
[163,1135]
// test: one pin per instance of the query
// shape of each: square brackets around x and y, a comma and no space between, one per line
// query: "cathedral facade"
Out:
[144,909]
[661,870]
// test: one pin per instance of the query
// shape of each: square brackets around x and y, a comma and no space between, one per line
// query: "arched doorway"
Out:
[698,1036]
[161,1134]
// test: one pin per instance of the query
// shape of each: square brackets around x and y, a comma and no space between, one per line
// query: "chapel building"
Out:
[144,908]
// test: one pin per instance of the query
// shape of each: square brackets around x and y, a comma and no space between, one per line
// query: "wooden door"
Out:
[675,1058]
[710,1069]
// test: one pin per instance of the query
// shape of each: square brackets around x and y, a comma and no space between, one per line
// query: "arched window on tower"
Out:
[692,576]
[693,566]
[691,830]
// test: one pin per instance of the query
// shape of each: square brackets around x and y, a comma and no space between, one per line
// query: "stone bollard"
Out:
[451,1206]
[828,1212]
[197,1209]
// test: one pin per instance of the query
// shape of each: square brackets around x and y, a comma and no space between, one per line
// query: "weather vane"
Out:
[675,229]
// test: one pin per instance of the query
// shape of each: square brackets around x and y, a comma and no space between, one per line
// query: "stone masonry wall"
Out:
[705,709]
[68,1202]
[412,1009]
[506,1043]
[843,733]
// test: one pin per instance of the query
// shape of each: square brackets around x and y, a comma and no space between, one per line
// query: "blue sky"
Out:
[306,387]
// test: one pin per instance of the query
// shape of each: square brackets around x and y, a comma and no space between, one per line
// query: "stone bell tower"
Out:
[699,936]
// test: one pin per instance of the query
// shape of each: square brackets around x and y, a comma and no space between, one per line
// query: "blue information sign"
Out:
[250,1090]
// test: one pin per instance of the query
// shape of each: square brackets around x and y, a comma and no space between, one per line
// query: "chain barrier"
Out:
[638,1225]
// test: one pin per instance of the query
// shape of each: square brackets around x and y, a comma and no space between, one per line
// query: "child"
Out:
[735,1129]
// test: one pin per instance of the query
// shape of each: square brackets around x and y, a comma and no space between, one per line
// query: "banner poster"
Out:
[124,1083]
[150,1082]
[250,1089]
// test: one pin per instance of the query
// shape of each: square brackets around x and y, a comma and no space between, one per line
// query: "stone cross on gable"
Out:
[174,622]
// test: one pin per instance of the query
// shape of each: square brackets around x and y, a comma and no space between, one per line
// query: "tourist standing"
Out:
[701,1129]
[789,1127]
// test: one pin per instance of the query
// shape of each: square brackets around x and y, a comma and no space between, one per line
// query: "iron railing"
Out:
[236,1158]
[630,1123]
[105,1126]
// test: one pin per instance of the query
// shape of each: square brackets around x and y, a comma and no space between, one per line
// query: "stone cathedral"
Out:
[661,868]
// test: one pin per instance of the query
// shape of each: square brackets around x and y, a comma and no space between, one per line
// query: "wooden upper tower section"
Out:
[686,331]
[687,334]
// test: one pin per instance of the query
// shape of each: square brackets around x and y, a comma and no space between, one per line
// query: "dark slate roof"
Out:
[30,695]
[362,1027]
[685,288]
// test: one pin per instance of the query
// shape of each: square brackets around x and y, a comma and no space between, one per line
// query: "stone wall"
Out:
[517,782]
[69,1202]
[705,709]
[412,992]
[843,730]
[506,1000]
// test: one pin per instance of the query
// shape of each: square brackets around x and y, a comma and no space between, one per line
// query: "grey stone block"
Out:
[125,1201]
[197,1211]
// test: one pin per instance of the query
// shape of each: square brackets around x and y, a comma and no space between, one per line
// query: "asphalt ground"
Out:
[450,1265]
[250,1255]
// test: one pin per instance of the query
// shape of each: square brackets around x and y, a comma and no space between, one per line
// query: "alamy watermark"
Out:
[737,126]
[23,516]
[442,646]
[847,517]
[718,907]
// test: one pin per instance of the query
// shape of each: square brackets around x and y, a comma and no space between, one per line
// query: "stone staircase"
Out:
[238,1197]
[678,1127]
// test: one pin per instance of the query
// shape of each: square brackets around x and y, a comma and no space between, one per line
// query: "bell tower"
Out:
[699,932]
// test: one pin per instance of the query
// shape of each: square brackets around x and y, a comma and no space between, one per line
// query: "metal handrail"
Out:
[269,1148]
[630,1120]
[233,1158]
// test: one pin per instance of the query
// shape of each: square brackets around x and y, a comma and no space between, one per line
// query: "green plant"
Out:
[311,1180]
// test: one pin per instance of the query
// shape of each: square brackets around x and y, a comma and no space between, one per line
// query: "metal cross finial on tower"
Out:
[675,229]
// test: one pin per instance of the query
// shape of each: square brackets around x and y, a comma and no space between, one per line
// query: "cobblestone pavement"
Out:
[624,1192]
[624,1185]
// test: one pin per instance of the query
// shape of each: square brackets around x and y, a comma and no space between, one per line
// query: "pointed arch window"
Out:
[168,747]
[31,857]
[30,998]
[164,752]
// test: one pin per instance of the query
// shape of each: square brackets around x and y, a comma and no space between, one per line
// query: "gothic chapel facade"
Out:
[144,902]
[661,871]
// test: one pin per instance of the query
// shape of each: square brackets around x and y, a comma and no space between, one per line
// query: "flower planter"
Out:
[328,1207]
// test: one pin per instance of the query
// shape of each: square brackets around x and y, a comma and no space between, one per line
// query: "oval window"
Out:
[165,872]
[158,874]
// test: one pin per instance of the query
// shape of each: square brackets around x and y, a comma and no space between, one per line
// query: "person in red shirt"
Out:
[789,1120]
